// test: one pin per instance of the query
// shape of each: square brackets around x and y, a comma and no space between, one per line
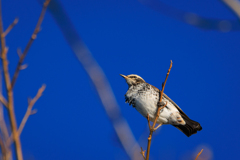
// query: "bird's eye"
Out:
[133,77]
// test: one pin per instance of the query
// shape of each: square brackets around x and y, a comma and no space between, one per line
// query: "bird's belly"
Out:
[148,107]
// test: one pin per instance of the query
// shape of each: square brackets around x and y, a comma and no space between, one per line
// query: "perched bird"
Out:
[145,97]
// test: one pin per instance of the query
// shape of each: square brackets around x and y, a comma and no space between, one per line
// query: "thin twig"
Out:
[3,127]
[29,109]
[3,149]
[143,153]
[198,154]
[3,100]
[149,125]
[157,114]
[11,113]
[19,52]
[28,112]
[33,37]
[10,27]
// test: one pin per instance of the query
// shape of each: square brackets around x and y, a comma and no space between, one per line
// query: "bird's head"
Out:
[132,79]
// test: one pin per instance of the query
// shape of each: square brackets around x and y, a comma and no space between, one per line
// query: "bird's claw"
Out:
[160,104]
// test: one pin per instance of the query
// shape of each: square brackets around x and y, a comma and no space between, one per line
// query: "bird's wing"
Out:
[169,99]
[178,108]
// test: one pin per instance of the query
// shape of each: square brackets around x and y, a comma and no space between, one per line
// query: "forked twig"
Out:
[11,113]
[28,112]
[198,154]
[3,100]
[33,37]
[29,109]
[143,153]
[9,84]
[152,128]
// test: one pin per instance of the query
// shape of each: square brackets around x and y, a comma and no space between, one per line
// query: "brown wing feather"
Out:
[191,127]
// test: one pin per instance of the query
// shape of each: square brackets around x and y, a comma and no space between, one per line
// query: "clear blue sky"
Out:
[125,37]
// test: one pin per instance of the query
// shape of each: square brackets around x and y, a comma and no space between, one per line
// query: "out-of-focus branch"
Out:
[3,149]
[193,19]
[10,27]
[4,129]
[153,128]
[3,100]
[198,154]
[98,79]
[234,5]
[33,37]
[143,153]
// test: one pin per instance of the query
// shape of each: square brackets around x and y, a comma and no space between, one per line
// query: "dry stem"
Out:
[10,27]
[33,37]
[152,128]
[29,109]
[9,84]
[11,112]
[3,100]
[28,112]
[143,153]
[198,154]
[3,149]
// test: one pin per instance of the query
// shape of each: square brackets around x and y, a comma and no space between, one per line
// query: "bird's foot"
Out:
[160,104]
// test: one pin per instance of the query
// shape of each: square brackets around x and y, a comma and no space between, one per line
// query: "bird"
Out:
[144,98]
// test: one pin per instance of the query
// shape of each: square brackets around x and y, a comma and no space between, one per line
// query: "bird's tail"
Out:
[191,127]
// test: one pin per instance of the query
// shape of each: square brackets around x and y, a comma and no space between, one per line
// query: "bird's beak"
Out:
[123,76]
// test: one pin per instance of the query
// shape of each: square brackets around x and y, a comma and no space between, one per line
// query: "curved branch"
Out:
[193,19]
[98,79]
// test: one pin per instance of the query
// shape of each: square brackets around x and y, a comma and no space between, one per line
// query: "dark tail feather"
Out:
[191,127]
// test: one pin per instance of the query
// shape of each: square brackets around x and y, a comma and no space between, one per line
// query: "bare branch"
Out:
[3,149]
[29,109]
[152,129]
[28,112]
[11,112]
[143,153]
[19,52]
[3,100]
[149,125]
[24,66]
[193,19]
[33,37]
[99,80]
[198,154]
[10,27]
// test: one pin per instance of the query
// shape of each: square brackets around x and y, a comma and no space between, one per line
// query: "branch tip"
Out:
[33,112]
[198,154]
[152,128]
[10,27]
[143,153]
[24,66]
[19,52]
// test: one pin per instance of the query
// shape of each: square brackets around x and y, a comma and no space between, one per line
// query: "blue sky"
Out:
[125,37]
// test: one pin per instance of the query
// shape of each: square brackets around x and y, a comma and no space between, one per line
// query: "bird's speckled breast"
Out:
[144,97]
